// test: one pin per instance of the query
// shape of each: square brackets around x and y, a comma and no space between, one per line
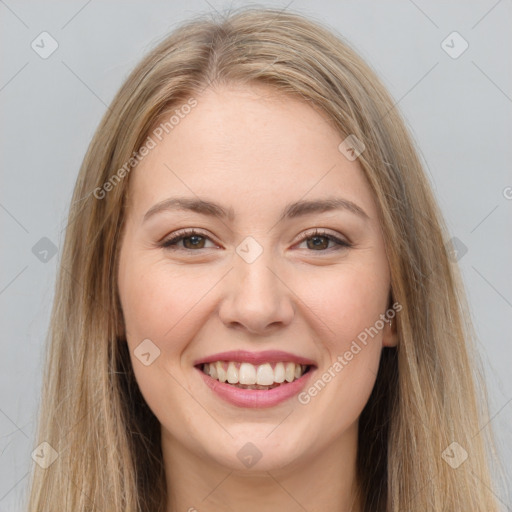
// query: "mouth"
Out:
[245,375]
[255,379]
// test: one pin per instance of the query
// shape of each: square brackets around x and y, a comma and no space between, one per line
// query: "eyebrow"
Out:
[291,211]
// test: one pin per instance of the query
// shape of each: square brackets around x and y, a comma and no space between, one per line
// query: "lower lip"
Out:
[256,398]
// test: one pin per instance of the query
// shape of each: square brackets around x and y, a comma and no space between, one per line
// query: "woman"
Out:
[256,309]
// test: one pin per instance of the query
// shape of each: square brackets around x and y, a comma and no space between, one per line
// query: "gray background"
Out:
[458,110]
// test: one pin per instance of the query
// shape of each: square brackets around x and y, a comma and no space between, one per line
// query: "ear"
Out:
[390,331]
[390,334]
[120,329]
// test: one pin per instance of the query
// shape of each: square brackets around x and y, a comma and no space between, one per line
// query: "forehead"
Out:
[247,146]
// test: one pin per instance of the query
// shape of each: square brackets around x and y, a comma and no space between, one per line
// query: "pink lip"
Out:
[268,356]
[255,398]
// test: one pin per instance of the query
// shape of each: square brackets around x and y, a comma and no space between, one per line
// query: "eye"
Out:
[319,240]
[191,238]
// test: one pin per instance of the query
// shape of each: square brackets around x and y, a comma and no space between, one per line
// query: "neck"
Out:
[324,481]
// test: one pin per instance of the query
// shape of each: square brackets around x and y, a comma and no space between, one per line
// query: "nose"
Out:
[257,298]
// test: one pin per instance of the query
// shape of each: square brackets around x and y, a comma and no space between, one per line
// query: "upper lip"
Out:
[267,356]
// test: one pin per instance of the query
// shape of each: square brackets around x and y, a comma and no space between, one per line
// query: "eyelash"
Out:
[170,243]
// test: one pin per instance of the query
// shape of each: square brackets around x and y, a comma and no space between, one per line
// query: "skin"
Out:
[255,151]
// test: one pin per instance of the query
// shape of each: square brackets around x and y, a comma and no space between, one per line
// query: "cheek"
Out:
[348,300]
[162,304]
[157,299]
[350,306]
[347,304]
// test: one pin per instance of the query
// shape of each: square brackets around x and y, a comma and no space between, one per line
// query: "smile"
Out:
[255,380]
[248,376]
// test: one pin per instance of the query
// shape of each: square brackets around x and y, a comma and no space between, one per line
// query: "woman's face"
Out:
[257,282]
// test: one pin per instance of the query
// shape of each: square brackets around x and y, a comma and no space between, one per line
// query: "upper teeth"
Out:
[245,373]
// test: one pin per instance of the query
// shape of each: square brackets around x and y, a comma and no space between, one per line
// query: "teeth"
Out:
[250,376]
[247,374]
[289,372]
[279,373]
[265,375]
[232,373]
[221,373]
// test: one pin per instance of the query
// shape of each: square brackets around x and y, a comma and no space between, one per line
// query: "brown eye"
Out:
[191,240]
[318,242]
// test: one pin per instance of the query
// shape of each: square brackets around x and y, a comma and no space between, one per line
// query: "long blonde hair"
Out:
[429,391]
